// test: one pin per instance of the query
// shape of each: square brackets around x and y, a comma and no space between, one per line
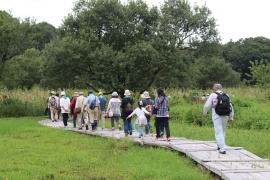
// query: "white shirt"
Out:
[64,104]
[139,112]
[212,102]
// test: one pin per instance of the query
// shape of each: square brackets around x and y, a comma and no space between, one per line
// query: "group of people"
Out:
[88,111]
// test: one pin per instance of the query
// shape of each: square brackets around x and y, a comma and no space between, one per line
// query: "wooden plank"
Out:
[197,150]
[244,170]
[240,160]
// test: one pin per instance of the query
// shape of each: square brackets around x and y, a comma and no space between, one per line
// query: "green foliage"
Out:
[130,46]
[212,70]
[22,70]
[260,73]
[194,116]
[14,107]
[245,51]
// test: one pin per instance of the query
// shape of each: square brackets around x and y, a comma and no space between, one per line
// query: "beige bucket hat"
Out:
[145,95]
[127,93]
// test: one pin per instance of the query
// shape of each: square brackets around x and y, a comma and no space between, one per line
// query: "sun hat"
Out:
[80,93]
[127,93]
[75,94]
[63,93]
[145,95]
[52,92]
[114,94]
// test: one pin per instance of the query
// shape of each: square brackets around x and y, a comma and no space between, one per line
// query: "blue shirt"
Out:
[103,102]
[90,98]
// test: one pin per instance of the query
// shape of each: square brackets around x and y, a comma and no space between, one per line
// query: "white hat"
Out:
[145,95]
[127,93]
[63,93]
[114,94]
[52,92]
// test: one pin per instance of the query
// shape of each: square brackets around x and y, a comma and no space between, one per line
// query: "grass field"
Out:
[31,151]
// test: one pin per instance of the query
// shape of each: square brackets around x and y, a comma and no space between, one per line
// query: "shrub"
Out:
[194,116]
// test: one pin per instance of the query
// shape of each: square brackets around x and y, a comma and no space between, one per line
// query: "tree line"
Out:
[109,45]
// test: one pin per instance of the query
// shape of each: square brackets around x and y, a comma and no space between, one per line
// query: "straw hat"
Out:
[145,95]
[127,93]
[114,94]
[63,93]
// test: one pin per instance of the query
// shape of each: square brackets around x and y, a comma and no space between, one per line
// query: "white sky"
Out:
[235,18]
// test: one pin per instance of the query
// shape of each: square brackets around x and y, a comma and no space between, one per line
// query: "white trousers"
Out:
[220,126]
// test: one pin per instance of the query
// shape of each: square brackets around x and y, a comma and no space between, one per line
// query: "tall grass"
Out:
[251,104]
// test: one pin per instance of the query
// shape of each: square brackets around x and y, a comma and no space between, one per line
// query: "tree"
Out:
[215,70]
[260,73]
[130,46]
[16,36]
[23,71]
[245,51]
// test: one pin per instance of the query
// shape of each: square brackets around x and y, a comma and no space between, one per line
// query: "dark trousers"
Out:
[148,126]
[65,118]
[161,123]
[94,125]
[49,113]
[74,122]
[127,126]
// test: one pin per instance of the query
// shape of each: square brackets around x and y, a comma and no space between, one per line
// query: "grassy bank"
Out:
[31,151]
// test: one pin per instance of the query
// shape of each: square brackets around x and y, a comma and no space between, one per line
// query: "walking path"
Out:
[237,164]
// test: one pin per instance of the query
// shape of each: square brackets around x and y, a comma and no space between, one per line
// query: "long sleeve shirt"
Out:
[211,103]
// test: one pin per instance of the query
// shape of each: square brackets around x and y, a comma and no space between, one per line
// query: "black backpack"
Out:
[93,104]
[223,107]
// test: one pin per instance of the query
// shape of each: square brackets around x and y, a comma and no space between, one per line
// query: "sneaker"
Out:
[130,133]
[222,151]
[218,148]
[157,139]
[168,138]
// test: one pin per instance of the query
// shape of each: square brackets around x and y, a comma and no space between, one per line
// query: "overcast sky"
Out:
[235,18]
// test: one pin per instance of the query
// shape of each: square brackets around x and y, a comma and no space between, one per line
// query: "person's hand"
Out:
[231,121]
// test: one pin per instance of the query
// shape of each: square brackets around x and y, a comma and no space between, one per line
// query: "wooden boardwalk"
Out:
[237,164]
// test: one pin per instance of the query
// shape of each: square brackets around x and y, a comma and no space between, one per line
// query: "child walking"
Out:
[142,120]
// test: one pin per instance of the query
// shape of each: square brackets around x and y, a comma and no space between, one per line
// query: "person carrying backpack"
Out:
[222,112]
[92,104]
[53,105]
[113,110]
[127,109]
[103,102]
[81,114]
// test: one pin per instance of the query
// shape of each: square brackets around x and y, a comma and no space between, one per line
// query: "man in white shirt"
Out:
[219,121]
